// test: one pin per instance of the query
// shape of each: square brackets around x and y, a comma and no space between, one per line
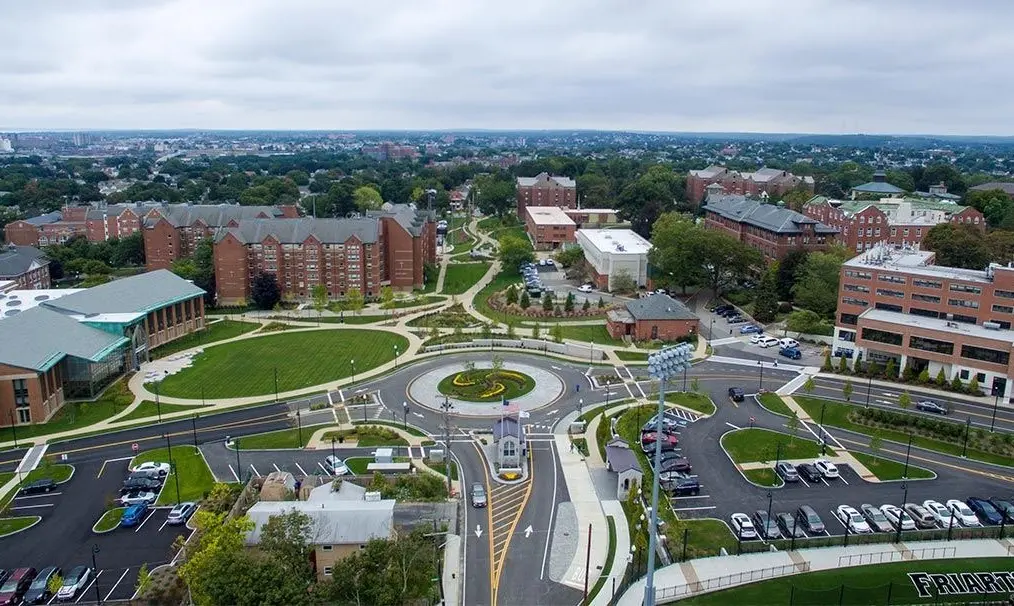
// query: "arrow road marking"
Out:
[478,531]
[528,531]
[552,412]
[418,414]
[883,401]
[555,367]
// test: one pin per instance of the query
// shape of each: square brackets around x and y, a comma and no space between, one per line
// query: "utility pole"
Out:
[14,428]
[908,453]
[445,408]
[172,467]
[968,428]
[823,434]
[760,381]
[996,402]
[276,384]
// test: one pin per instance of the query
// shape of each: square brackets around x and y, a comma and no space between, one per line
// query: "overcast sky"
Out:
[875,66]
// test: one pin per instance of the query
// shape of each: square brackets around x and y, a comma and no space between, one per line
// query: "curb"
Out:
[122,509]
[9,534]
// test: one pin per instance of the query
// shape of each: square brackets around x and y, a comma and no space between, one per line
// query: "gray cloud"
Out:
[755,65]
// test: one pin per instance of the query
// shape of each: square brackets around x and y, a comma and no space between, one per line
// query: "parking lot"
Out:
[64,537]
[300,463]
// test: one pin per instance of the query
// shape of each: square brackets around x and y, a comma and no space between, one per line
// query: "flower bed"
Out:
[486,385]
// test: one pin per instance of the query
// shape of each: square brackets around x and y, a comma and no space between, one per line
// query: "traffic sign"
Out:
[134,447]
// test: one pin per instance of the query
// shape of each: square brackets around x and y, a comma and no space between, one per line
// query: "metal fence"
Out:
[670,594]
[893,555]
[911,536]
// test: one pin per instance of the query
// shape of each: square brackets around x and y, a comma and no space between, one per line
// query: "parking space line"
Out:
[115,585]
[276,467]
[694,508]
[300,468]
[84,592]
[803,481]
[843,480]
[233,473]
[145,521]
[732,426]
[101,469]
[321,465]
[33,506]
[824,481]
[696,496]
[256,473]
[37,496]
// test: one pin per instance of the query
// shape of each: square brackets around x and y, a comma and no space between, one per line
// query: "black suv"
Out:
[45,485]
[737,394]
[683,487]
[808,472]
[133,484]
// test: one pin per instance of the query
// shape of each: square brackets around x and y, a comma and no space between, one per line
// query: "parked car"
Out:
[137,496]
[142,484]
[16,585]
[160,468]
[179,515]
[767,527]
[748,329]
[809,518]
[38,592]
[923,517]
[787,471]
[742,527]
[788,342]
[852,520]
[668,424]
[790,352]
[897,517]
[790,526]
[133,515]
[985,510]
[826,468]
[585,288]
[965,515]
[768,342]
[669,441]
[679,464]
[687,486]
[76,580]
[738,320]
[478,495]
[808,472]
[1005,507]
[875,518]
[151,474]
[944,517]
[736,394]
[38,486]
[931,406]
[335,466]
[756,338]
[719,309]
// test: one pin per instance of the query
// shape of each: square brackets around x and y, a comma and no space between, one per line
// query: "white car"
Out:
[335,466]
[756,338]
[585,288]
[137,497]
[853,520]
[944,516]
[76,580]
[787,342]
[743,527]
[826,468]
[965,515]
[768,342]
[895,515]
[161,468]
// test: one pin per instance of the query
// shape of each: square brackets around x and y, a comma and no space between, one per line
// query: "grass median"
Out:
[774,403]
[764,476]
[459,277]
[889,469]
[694,401]
[195,479]
[761,445]
[148,409]
[12,525]
[109,520]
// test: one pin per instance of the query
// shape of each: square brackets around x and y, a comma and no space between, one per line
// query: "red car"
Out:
[669,441]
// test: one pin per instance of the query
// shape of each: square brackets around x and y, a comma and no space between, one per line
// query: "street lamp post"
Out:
[767,521]
[404,407]
[193,424]
[908,453]
[333,457]
[711,329]
[607,395]
[760,382]
[353,362]
[662,365]
[158,406]
[996,402]
[446,407]
[276,384]
[172,467]
[823,435]
[580,405]
[904,499]
[95,572]
[14,428]
[778,456]
[299,428]
[239,470]
[396,357]
[869,388]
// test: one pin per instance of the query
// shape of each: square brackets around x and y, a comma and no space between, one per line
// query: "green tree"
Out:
[526,301]
[264,291]
[765,305]
[905,400]
[386,297]
[695,385]
[367,198]
[215,563]
[536,330]
[809,385]
[804,321]
[941,379]
[956,383]
[354,300]
[876,443]
[924,376]
[786,275]
[674,254]
[547,301]
[511,330]
[826,367]
[384,571]
[318,294]
[891,369]
[843,366]
[973,386]
[957,245]
[847,389]
[602,302]
[725,260]
[495,194]
[556,331]
[514,250]
[184,268]
[586,305]
[816,286]
[285,538]
[570,256]
[568,304]
[793,425]
[204,266]
[622,281]
[511,295]
[995,204]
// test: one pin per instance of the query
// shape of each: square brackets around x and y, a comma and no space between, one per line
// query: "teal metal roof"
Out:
[137,294]
[38,338]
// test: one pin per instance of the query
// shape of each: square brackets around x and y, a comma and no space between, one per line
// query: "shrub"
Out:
[785,307]
[973,386]
[956,384]
[941,378]
[924,377]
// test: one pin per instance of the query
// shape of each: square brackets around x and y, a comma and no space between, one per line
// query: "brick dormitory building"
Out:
[773,182]
[545,190]
[772,230]
[389,247]
[65,344]
[894,303]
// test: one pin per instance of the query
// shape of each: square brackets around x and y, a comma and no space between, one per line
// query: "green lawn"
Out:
[218,331]
[486,385]
[441,468]
[462,276]
[631,356]
[148,409]
[707,537]
[195,477]
[358,465]
[59,472]
[889,469]
[303,359]
[367,435]
[348,319]
[588,333]
[109,520]
[419,301]
[774,403]
[753,445]
[12,525]
[410,429]
[765,476]
[694,401]
[283,438]
[5,477]
[74,415]
[874,584]
[836,415]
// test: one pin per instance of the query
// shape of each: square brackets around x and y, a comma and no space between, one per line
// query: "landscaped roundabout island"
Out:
[486,384]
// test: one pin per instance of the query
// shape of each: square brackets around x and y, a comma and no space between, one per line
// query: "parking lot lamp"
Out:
[239,470]
[711,329]
[901,516]
[158,406]
[299,428]
[996,402]
[823,434]
[353,362]
[968,428]
[404,419]
[193,423]
[908,453]
[869,388]
[591,353]
[276,383]
[767,522]
[172,467]
[663,365]
[778,455]
[333,457]
[760,381]
[396,357]
[14,428]
[580,405]
[95,572]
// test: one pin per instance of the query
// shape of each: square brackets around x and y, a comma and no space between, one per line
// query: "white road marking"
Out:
[732,426]
[702,508]
[843,480]
[32,506]
[256,473]
[233,471]
[300,468]
[321,465]
[144,521]
[696,496]
[115,585]
[85,590]
[276,467]
[37,496]
[803,481]
[552,512]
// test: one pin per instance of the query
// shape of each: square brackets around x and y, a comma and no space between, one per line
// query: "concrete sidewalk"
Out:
[677,580]
[589,513]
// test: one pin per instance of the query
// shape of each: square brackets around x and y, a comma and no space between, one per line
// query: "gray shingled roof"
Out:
[45,219]
[412,219]
[331,522]
[765,216]
[619,457]
[878,187]
[1006,187]
[529,181]
[659,307]
[38,338]
[507,426]
[296,231]
[17,260]
[214,215]
[136,294]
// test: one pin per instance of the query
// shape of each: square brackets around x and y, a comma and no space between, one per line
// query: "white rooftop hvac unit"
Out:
[991,325]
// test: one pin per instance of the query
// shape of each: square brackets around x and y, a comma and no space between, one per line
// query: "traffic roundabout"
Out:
[479,389]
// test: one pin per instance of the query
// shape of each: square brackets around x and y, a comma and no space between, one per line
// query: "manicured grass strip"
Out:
[631,356]
[367,436]
[875,584]
[303,359]
[706,538]
[359,465]
[56,472]
[441,468]
[218,331]
[410,429]
[604,573]
[587,333]
[889,469]
[348,319]
[765,476]
[12,525]
[774,403]
[753,445]
[419,301]
[75,415]
[148,409]
[836,415]
[194,475]
[462,276]
[273,440]
[109,520]
[5,477]
[694,401]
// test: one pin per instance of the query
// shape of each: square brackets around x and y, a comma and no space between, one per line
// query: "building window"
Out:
[889,307]
[325,547]
[24,415]
[882,336]
[975,290]
[654,332]
[509,449]
[886,292]
[926,298]
[20,392]
[847,335]
[857,288]
[327,571]
[963,303]
[964,374]
[964,318]
[927,283]
[929,313]
[984,354]
[854,301]
[848,319]
[1006,294]
[1004,325]
[862,275]
[891,278]
[1003,309]
[927,344]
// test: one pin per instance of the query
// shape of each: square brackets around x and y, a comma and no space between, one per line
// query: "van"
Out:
[788,342]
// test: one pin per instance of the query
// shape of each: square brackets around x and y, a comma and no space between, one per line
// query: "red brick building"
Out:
[97,223]
[772,181]
[771,229]
[896,221]
[545,190]
[26,266]
[654,317]
[410,242]
[173,231]
[549,227]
